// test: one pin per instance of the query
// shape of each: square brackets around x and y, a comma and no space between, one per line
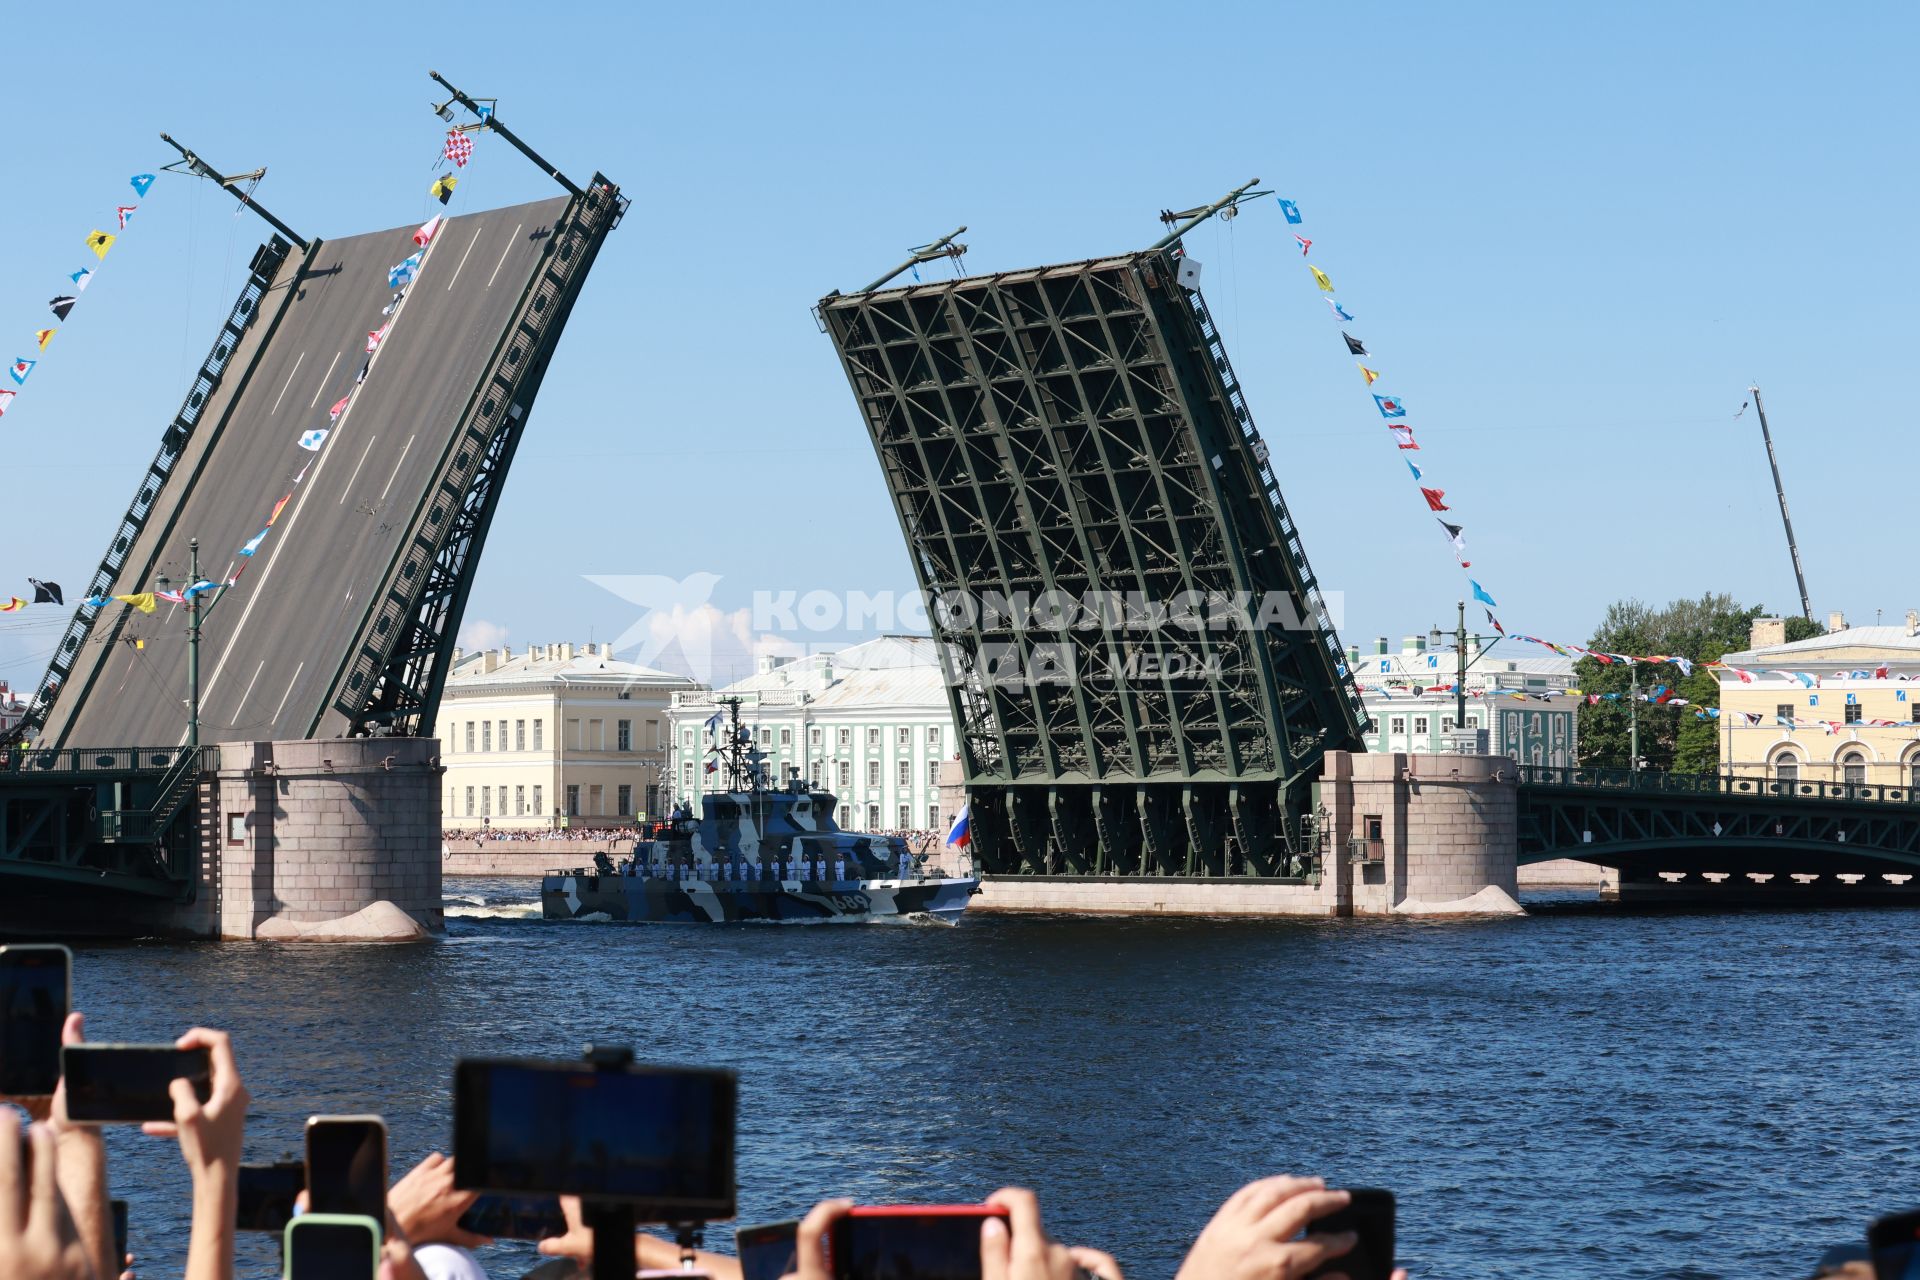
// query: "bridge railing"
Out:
[1658,781]
[93,760]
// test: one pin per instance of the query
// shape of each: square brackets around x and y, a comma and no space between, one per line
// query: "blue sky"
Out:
[1571,235]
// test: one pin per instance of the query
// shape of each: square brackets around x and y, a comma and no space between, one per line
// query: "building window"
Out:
[538,809]
[573,799]
[873,738]
[503,790]
[786,737]
[469,802]
[539,735]
[1916,713]
[519,735]
[873,813]
[1913,772]
[597,733]
[519,802]
[906,740]
[1420,726]
[813,773]
[653,734]
[933,742]
[846,815]
[1398,725]
[596,796]
[625,800]
[236,828]
[906,814]
[813,735]
[873,773]
[933,773]
[1853,768]
[686,779]
[1446,724]
[906,776]
[623,736]
[1853,713]
[766,737]
[846,739]
[469,737]
[686,737]
[486,802]
[1783,712]
[933,817]
[503,742]
[1473,722]
[846,775]
[486,735]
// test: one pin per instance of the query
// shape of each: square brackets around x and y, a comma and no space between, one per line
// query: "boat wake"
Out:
[471,909]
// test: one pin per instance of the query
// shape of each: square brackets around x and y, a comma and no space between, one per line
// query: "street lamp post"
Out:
[192,601]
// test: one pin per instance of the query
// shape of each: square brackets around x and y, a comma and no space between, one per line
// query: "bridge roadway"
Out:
[271,647]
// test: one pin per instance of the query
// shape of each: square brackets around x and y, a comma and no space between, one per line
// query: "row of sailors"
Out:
[810,868]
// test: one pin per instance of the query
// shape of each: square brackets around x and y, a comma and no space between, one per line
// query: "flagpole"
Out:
[201,169]
[193,646]
[490,120]
[1779,490]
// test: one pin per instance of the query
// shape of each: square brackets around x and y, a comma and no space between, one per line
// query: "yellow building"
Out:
[1839,708]
[560,735]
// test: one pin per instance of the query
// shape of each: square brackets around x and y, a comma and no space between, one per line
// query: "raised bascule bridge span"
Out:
[342,624]
[1077,431]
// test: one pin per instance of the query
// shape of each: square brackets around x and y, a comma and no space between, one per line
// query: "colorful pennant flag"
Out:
[278,507]
[44,336]
[1339,312]
[374,336]
[339,407]
[81,279]
[1355,347]
[1305,244]
[125,212]
[253,543]
[442,188]
[1436,498]
[1391,406]
[142,183]
[312,440]
[20,370]
[1320,278]
[46,592]
[100,242]
[1367,373]
[1480,594]
[425,234]
[401,274]
[1292,211]
[142,600]
[6,401]
[61,305]
[12,604]
[1457,535]
[1416,470]
[1403,436]
[459,148]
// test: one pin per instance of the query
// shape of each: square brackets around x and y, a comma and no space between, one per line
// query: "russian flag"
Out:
[960,834]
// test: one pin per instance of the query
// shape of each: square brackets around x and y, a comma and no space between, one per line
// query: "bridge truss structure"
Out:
[1075,435]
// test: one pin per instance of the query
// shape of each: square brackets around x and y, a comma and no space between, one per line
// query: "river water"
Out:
[1579,1093]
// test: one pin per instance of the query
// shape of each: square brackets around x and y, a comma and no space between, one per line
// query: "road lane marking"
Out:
[356,471]
[283,386]
[249,693]
[396,466]
[503,254]
[289,693]
[463,257]
[323,381]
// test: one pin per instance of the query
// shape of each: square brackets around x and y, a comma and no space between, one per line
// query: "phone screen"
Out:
[515,1218]
[1895,1243]
[1370,1216]
[119,1208]
[332,1250]
[899,1243]
[35,982]
[127,1083]
[768,1251]
[267,1193]
[661,1138]
[347,1165]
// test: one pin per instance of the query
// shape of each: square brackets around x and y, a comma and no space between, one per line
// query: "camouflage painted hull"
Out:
[650,899]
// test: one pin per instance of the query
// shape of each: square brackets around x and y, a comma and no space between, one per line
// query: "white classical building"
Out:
[1521,699]
[559,735]
[869,723]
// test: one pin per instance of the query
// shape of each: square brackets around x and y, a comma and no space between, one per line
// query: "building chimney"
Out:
[1379,646]
[1913,623]
[1836,621]
[1767,632]
[489,660]
[457,654]
[566,653]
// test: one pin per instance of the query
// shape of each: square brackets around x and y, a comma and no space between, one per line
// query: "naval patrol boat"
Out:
[756,853]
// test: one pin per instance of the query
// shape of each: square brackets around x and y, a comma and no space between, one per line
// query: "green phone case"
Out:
[371,1227]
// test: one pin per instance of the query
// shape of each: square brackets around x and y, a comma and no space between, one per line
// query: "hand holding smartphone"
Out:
[1894,1242]
[331,1246]
[36,991]
[1369,1215]
[130,1083]
[266,1195]
[768,1250]
[347,1166]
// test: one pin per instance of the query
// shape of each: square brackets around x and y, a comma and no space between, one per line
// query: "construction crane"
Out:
[1793,548]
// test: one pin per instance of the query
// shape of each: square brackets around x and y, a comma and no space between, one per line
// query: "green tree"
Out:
[1671,738]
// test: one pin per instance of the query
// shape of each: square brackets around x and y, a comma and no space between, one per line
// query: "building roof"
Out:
[1849,644]
[588,664]
[886,671]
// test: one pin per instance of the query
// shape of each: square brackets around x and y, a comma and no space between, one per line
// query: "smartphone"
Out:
[1370,1216]
[36,990]
[347,1166]
[331,1246]
[910,1241]
[127,1083]
[267,1193]
[119,1208]
[515,1218]
[658,1138]
[1894,1242]
[769,1250]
